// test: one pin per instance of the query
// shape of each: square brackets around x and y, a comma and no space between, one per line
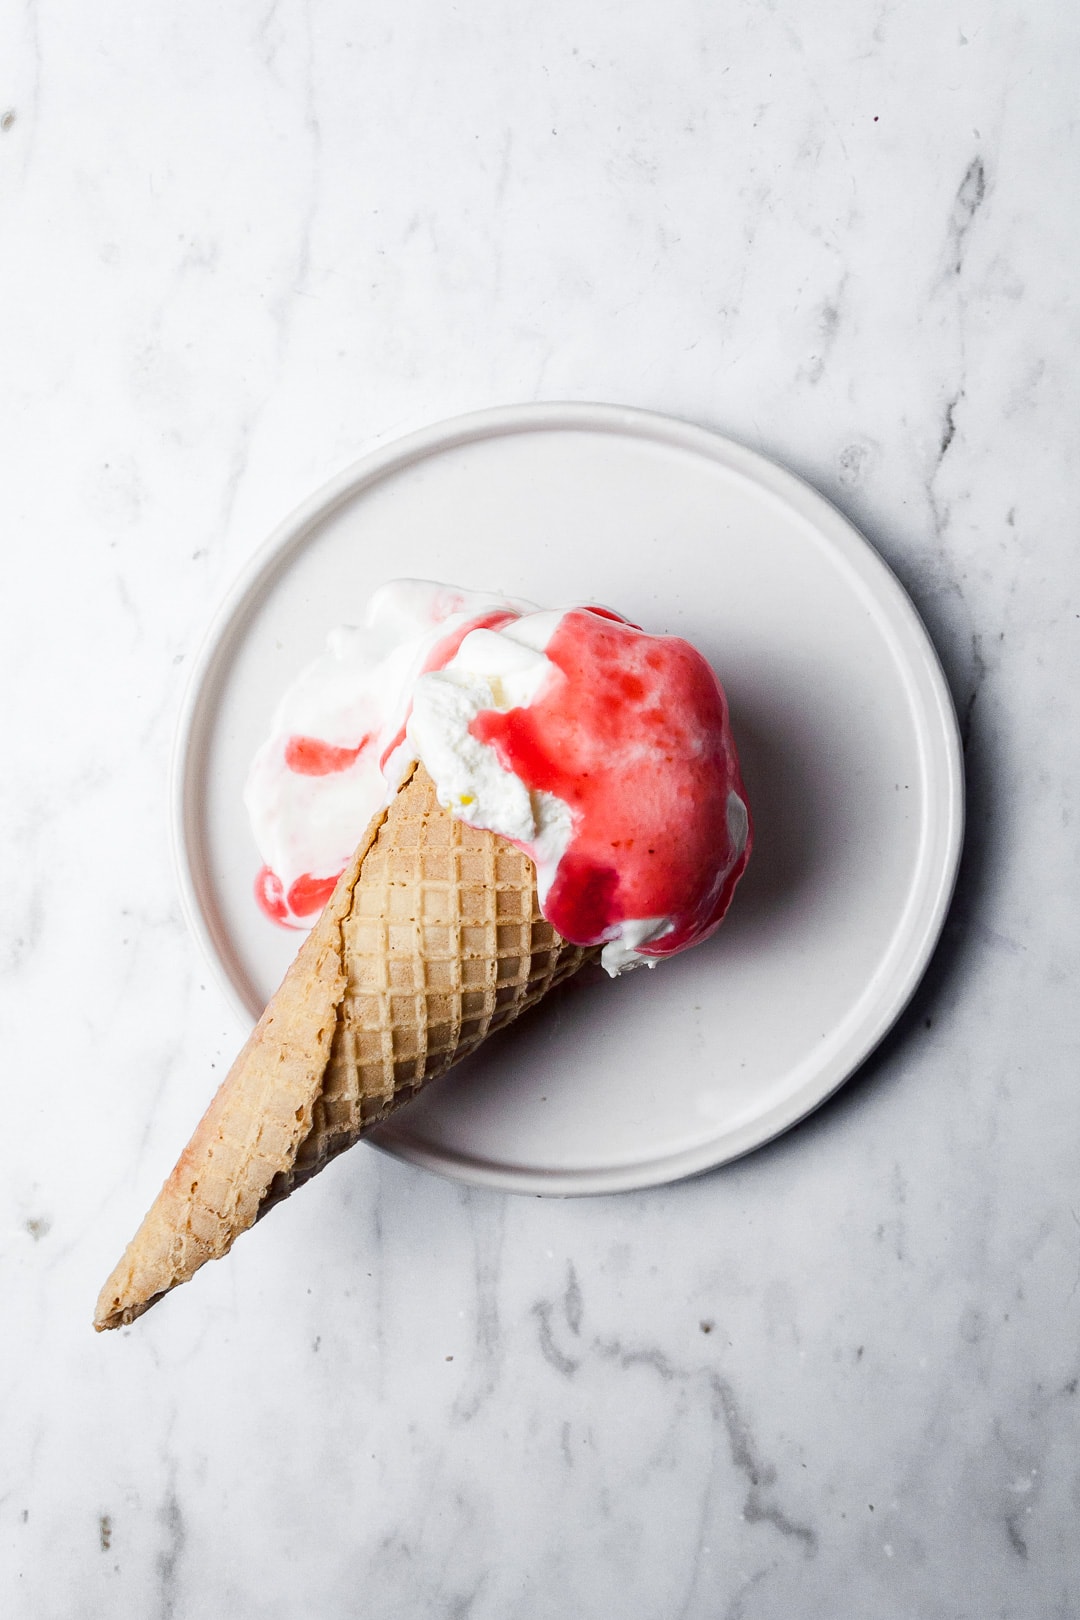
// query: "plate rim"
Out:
[841,535]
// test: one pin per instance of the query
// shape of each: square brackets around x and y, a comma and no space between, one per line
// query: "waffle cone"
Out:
[432,939]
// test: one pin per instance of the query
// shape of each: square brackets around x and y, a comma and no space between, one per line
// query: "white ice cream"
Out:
[361,693]
[357,692]
[502,670]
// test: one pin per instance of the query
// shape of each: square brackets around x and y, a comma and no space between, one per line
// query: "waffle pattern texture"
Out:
[432,939]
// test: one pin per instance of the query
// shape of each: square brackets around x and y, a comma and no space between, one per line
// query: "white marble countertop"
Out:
[241,244]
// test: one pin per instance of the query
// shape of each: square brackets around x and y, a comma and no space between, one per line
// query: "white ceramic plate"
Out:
[845,728]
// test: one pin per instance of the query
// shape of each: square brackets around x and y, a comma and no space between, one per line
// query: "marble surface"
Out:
[242,244]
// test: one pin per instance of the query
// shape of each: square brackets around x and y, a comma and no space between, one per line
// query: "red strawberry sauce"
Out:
[632,733]
[310,756]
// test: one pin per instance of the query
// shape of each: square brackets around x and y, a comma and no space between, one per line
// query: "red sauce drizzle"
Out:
[309,894]
[633,735]
[270,896]
[310,756]
[306,896]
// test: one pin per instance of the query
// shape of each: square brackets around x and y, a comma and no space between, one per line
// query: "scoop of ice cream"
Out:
[336,750]
[605,753]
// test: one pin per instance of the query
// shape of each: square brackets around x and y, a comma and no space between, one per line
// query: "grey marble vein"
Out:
[173,1540]
[970,196]
[485,1224]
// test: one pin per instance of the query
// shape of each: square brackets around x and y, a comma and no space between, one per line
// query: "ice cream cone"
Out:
[432,939]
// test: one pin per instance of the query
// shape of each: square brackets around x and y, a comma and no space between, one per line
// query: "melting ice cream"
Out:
[605,753]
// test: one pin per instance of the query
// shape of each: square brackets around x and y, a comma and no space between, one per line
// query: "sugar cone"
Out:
[432,939]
